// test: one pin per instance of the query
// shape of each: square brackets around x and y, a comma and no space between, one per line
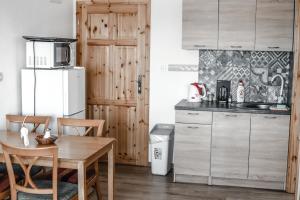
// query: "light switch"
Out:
[1,76]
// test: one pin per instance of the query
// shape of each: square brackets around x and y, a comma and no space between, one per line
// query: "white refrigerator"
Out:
[55,93]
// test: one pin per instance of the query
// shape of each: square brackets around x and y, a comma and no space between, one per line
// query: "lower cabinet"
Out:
[235,149]
[269,147]
[230,145]
[192,149]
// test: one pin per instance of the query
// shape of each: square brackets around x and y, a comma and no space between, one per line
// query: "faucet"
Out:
[280,98]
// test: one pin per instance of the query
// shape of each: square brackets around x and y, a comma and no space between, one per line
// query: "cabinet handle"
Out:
[192,127]
[273,47]
[193,113]
[230,115]
[269,117]
[200,45]
[236,47]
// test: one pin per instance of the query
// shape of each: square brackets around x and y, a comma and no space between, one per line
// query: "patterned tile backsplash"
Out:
[256,69]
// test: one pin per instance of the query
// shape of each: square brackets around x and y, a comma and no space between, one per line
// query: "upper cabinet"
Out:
[200,24]
[274,25]
[262,25]
[237,24]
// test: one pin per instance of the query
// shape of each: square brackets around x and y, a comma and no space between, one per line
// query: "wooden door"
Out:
[114,48]
[192,149]
[274,25]
[237,24]
[269,147]
[200,24]
[230,145]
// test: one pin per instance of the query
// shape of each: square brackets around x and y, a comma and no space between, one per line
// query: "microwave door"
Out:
[62,54]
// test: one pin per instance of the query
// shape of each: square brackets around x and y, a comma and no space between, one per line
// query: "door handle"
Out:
[192,127]
[270,117]
[236,47]
[273,47]
[193,113]
[140,80]
[200,45]
[230,115]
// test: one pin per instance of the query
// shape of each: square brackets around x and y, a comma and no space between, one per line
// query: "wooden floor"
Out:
[137,183]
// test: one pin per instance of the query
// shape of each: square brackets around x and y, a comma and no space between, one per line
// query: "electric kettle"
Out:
[197,92]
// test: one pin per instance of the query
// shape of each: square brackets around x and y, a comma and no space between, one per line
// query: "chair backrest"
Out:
[87,123]
[35,120]
[31,156]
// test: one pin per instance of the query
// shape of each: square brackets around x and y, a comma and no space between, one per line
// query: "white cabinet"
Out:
[192,149]
[269,147]
[274,25]
[200,24]
[237,24]
[230,145]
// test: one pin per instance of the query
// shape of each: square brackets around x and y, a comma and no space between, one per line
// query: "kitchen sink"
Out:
[256,106]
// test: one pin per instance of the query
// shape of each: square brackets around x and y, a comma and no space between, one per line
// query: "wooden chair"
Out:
[92,174]
[90,124]
[36,190]
[35,120]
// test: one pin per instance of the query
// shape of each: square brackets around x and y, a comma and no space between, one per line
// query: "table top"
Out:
[76,148]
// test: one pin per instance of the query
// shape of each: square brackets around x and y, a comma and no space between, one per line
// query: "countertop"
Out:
[221,107]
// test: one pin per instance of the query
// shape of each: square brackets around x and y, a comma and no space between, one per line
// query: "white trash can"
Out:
[162,144]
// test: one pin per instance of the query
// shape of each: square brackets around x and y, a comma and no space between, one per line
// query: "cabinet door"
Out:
[192,149]
[269,147]
[274,25]
[230,145]
[237,24]
[200,24]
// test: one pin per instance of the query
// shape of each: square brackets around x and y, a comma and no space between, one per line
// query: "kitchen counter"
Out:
[219,107]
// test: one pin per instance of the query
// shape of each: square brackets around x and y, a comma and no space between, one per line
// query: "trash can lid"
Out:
[163,129]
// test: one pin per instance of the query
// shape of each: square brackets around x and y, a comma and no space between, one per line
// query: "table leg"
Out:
[111,173]
[82,189]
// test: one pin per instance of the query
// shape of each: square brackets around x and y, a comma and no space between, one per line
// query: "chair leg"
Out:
[98,190]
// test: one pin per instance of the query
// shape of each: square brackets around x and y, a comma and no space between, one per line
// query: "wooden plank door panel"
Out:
[237,24]
[125,74]
[114,47]
[120,124]
[127,26]
[99,74]
[230,145]
[98,26]
[274,25]
[269,147]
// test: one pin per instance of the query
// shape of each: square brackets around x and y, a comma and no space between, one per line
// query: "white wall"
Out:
[26,17]
[167,88]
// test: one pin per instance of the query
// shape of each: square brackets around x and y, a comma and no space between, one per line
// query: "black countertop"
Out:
[219,107]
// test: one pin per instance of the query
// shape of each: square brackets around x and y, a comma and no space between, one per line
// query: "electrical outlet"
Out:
[1,76]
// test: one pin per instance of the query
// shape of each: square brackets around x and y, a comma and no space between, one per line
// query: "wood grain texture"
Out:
[116,48]
[136,183]
[293,161]
[237,24]
[200,24]
[274,25]
[230,145]
[269,147]
[192,149]
[68,157]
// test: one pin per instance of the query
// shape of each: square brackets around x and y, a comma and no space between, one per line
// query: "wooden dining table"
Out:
[74,152]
